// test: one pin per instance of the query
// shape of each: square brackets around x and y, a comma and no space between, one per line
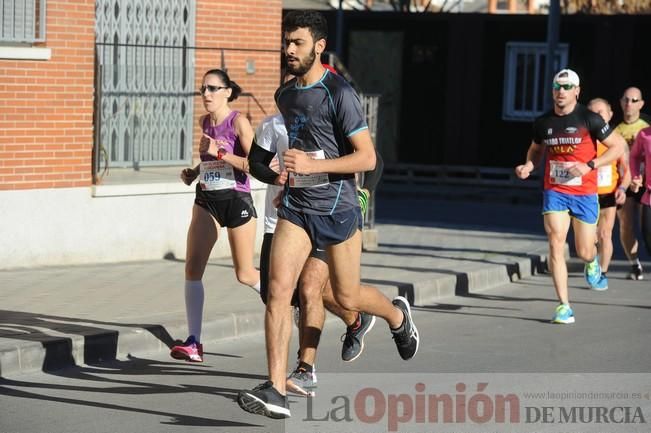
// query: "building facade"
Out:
[100,113]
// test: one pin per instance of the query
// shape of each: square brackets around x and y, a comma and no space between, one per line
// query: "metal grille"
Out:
[22,20]
[144,82]
[370,104]
[524,87]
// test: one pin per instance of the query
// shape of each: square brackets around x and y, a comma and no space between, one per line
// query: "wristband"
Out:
[220,153]
[622,188]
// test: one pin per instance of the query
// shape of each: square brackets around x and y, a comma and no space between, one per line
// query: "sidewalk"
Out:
[60,316]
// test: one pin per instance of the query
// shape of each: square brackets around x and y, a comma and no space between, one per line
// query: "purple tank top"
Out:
[225,135]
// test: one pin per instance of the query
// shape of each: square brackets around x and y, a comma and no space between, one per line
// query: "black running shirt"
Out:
[319,119]
[569,139]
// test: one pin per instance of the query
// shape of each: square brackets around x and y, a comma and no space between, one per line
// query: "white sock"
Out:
[256,287]
[636,262]
[194,307]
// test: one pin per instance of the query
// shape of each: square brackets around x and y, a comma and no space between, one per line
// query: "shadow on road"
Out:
[100,340]
[137,367]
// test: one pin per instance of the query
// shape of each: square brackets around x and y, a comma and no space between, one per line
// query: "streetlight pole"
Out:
[553,25]
[340,29]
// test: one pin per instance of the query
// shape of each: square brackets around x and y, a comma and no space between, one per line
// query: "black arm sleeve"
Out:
[372,178]
[598,127]
[259,160]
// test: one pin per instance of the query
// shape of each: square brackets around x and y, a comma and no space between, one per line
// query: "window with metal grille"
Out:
[524,79]
[22,21]
[145,82]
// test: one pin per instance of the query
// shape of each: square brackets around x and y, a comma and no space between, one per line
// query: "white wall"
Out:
[111,223]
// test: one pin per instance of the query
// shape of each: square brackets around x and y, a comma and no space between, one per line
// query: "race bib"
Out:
[216,175]
[309,180]
[559,174]
[605,176]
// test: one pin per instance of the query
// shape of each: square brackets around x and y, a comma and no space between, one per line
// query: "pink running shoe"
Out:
[190,350]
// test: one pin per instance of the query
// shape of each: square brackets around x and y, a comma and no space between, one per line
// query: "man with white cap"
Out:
[567,135]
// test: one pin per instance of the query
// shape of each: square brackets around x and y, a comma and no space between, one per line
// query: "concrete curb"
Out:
[429,291]
[69,350]
[55,353]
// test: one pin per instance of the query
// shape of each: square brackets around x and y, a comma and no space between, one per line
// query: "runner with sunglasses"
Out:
[223,199]
[567,136]
[633,122]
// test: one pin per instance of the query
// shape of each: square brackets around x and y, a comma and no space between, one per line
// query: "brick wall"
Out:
[46,114]
[247,25]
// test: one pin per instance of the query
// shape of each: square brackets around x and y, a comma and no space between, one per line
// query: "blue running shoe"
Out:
[602,284]
[563,314]
[592,272]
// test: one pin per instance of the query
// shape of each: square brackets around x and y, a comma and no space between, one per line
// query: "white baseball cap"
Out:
[567,76]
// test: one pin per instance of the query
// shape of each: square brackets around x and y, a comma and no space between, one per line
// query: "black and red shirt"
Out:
[570,139]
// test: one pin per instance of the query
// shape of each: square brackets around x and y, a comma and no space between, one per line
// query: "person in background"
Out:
[612,182]
[641,156]
[633,121]
[222,199]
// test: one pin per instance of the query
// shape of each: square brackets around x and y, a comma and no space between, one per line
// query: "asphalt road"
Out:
[494,216]
[503,334]
[504,330]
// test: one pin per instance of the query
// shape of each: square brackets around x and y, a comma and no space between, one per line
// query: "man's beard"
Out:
[303,65]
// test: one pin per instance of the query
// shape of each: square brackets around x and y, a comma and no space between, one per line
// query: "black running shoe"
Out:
[302,382]
[406,338]
[354,338]
[636,273]
[265,400]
